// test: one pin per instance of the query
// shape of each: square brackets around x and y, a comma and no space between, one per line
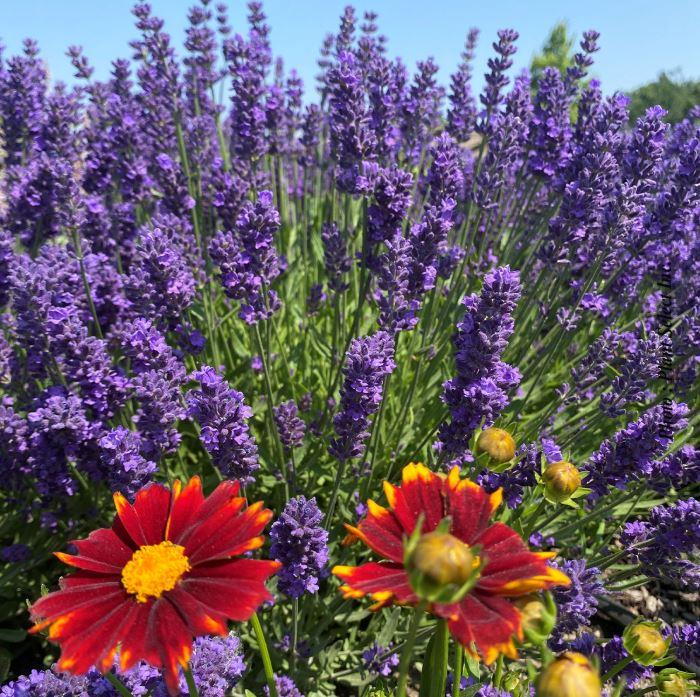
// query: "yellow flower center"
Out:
[154,569]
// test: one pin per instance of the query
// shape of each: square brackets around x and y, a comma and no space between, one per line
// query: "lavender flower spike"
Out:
[290,427]
[223,415]
[301,545]
[248,260]
[368,361]
[479,391]
[631,453]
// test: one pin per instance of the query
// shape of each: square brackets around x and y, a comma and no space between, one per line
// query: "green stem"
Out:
[439,662]
[77,243]
[295,632]
[457,669]
[546,655]
[264,654]
[118,685]
[191,687]
[334,496]
[643,691]
[498,677]
[405,663]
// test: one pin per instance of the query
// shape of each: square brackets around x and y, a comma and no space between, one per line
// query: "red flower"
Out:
[484,620]
[161,575]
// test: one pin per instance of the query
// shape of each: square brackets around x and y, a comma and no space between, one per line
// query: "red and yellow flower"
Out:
[484,620]
[164,573]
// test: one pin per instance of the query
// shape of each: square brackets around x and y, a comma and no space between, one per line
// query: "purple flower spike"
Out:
[368,361]
[290,427]
[223,415]
[301,545]
[479,392]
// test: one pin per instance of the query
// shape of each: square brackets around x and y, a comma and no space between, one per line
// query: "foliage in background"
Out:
[672,91]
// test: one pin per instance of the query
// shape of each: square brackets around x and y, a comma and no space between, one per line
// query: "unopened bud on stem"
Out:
[569,675]
[561,480]
[497,443]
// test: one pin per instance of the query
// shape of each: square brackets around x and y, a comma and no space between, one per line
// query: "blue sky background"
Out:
[639,38]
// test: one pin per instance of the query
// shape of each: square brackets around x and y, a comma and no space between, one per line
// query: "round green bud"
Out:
[443,558]
[497,443]
[674,683]
[561,480]
[569,675]
[538,614]
[644,642]
[441,568]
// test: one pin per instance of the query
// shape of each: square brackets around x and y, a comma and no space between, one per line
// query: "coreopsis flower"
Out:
[502,567]
[165,572]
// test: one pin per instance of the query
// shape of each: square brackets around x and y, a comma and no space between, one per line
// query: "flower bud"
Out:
[561,480]
[569,675]
[497,443]
[538,615]
[643,641]
[674,683]
[441,567]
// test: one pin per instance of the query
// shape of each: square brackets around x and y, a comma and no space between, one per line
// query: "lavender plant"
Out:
[206,271]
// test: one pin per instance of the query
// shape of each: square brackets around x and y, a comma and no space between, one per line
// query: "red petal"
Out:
[218,498]
[76,622]
[384,581]
[233,588]
[106,546]
[62,602]
[152,506]
[170,637]
[489,623]
[88,564]
[99,582]
[88,646]
[127,524]
[185,507]
[199,618]
[511,568]
[134,643]
[381,532]
[227,533]
[469,506]
[420,493]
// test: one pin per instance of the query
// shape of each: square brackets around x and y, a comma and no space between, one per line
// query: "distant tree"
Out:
[557,52]
[674,93]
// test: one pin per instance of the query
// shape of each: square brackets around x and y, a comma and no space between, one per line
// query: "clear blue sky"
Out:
[639,38]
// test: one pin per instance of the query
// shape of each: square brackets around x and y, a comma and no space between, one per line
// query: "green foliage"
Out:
[674,93]
[557,52]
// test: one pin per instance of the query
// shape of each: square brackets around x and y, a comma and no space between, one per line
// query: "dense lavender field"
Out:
[236,315]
